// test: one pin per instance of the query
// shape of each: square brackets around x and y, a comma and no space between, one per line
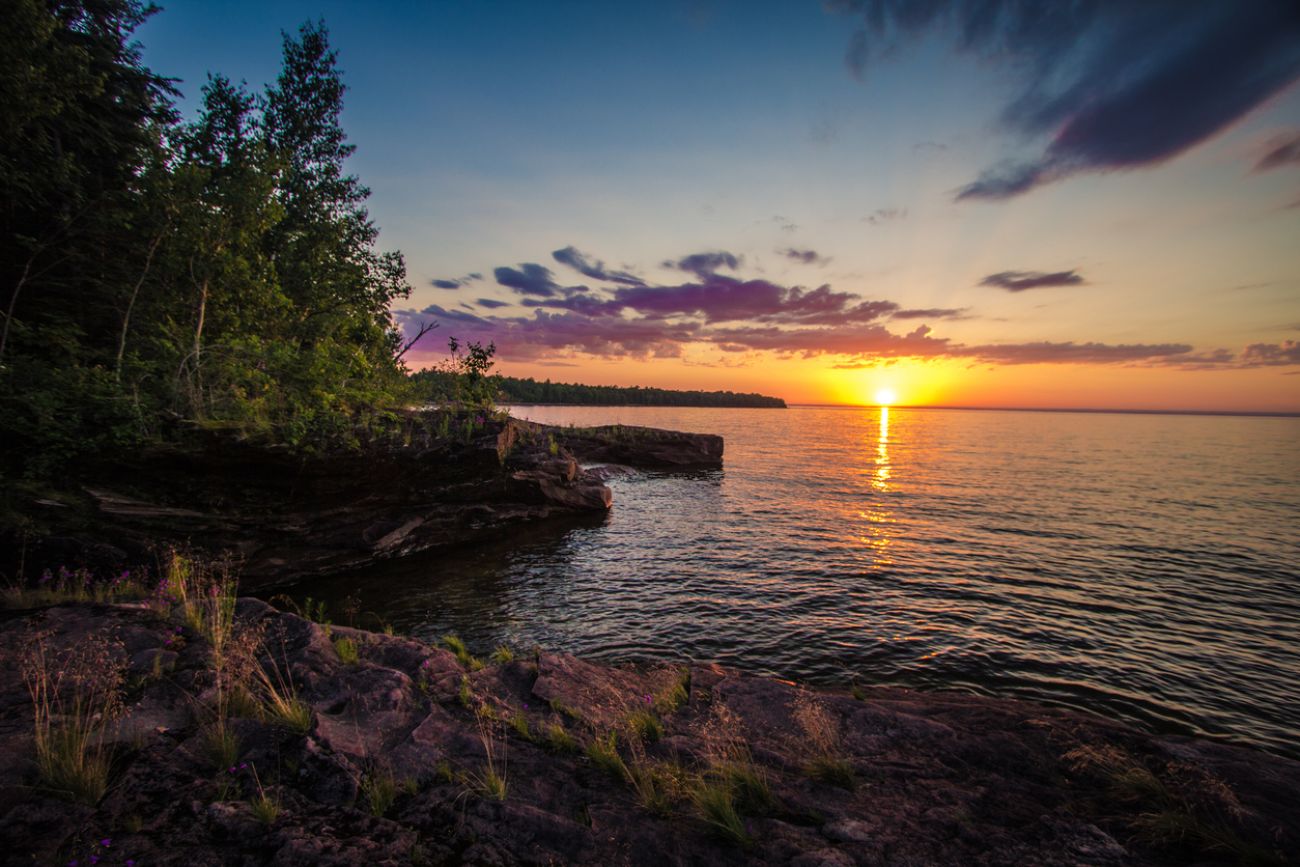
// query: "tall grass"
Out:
[55,587]
[76,695]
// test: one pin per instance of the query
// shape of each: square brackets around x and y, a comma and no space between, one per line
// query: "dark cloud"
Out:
[492,303]
[458,282]
[529,279]
[577,260]
[1113,84]
[885,215]
[705,264]
[807,257]
[1043,352]
[932,313]
[1019,281]
[1280,151]
[1271,354]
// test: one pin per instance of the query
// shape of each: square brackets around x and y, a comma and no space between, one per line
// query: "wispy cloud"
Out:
[1112,84]
[1279,151]
[705,264]
[806,257]
[593,268]
[456,283]
[1019,281]
[880,216]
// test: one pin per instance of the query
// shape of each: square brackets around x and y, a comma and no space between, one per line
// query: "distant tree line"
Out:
[441,386]
[159,273]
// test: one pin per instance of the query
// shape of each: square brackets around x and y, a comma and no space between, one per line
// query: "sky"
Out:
[1086,205]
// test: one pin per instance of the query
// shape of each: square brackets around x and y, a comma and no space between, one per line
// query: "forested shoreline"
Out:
[160,273]
[439,385]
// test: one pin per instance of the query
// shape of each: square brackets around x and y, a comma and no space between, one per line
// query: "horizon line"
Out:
[1264,413]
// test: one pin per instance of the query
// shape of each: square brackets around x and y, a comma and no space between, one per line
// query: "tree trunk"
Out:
[13,301]
[126,317]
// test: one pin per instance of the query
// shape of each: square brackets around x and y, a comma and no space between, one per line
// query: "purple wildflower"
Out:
[106,842]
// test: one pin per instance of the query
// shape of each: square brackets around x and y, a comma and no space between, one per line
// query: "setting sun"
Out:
[885,397]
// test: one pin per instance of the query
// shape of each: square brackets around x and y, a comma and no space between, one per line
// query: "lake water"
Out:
[1141,566]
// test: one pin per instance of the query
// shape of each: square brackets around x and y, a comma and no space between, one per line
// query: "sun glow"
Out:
[885,397]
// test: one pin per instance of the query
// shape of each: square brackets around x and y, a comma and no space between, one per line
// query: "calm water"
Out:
[1141,566]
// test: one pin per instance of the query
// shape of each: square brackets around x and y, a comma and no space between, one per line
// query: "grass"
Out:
[465,695]
[502,655]
[380,790]
[519,723]
[825,761]
[347,650]
[490,780]
[674,696]
[644,726]
[559,740]
[280,701]
[221,745]
[265,808]
[463,656]
[75,695]
[603,752]
[1188,810]
[656,785]
[716,805]
[748,785]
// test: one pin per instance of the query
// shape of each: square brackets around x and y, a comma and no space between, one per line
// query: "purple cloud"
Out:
[458,282]
[705,264]
[880,216]
[1271,354]
[1114,84]
[492,303]
[1019,281]
[529,279]
[577,260]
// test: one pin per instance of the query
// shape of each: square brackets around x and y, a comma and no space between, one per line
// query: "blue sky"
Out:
[495,134]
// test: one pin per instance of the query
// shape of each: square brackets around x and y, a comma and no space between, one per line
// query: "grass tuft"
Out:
[673,697]
[75,695]
[603,752]
[463,656]
[347,650]
[519,723]
[644,726]
[502,655]
[380,790]
[717,807]
[559,740]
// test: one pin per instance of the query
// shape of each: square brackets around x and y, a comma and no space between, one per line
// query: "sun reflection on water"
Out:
[879,518]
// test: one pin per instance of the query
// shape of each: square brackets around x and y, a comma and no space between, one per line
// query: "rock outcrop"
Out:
[286,517]
[640,447]
[413,756]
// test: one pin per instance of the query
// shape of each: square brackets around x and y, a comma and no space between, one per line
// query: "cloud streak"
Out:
[1111,84]
[593,268]
[1019,281]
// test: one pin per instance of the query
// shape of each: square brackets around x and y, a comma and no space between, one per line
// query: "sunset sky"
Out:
[819,201]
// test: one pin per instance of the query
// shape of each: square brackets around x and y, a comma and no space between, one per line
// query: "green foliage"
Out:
[644,726]
[159,275]
[559,740]
[502,655]
[603,752]
[346,648]
[717,807]
[513,390]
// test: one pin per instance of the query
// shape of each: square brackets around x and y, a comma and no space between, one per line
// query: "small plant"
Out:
[465,694]
[457,647]
[502,655]
[644,726]
[857,692]
[280,700]
[444,771]
[490,782]
[380,790]
[603,752]
[716,806]
[265,808]
[748,784]
[564,710]
[674,696]
[347,650]
[519,723]
[825,761]
[75,695]
[559,740]
[221,745]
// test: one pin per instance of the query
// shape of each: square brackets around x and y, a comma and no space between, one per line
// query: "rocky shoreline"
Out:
[285,517]
[413,754]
